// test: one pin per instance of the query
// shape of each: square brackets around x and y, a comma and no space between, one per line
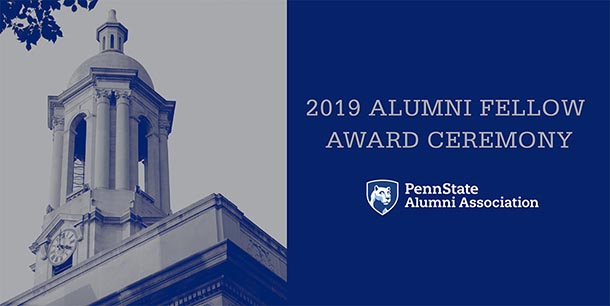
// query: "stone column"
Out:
[102,140]
[164,164]
[133,152]
[56,162]
[65,167]
[152,166]
[122,165]
[90,149]
[70,160]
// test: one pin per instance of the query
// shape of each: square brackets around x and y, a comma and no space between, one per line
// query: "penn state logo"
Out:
[382,195]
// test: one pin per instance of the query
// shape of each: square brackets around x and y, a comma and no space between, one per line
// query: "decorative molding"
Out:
[220,285]
[40,247]
[261,254]
[198,295]
[250,228]
[58,218]
[58,122]
[119,74]
[102,95]
[123,96]
[164,126]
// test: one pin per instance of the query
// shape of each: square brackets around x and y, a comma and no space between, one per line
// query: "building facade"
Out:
[109,235]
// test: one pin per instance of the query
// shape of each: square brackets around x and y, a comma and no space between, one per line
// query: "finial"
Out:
[112,16]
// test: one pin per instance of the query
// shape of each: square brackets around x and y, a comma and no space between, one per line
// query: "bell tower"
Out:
[109,158]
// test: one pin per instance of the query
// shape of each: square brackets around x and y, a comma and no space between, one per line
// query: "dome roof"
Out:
[110,59]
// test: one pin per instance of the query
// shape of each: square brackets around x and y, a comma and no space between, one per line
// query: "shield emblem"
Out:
[382,195]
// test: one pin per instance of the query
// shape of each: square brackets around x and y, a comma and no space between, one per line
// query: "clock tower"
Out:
[108,235]
[110,172]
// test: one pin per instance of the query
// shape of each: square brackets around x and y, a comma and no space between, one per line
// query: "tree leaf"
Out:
[39,14]
[55,5]
[31,20]
[47,30]
[34,35]
[44,6]
[92,4]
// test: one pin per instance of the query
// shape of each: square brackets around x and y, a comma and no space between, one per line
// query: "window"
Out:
[143,130]
[111,41]
[78,145]
[104,43]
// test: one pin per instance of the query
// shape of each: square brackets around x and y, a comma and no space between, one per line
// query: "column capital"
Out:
[58,123]
[164,127]
[102,95]
[123,96]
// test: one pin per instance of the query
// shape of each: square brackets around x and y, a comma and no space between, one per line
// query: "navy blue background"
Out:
[342,252]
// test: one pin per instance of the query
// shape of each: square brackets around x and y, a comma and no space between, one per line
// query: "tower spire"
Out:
[112,16]
[112,35]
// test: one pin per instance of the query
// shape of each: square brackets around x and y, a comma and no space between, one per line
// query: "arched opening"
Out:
[104,43]
[111,41]
[143,130]
[76,162]
[120,45]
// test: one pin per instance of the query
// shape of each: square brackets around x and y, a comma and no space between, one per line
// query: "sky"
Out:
[223,62]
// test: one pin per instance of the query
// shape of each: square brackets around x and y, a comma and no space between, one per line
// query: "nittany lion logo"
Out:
[382,195]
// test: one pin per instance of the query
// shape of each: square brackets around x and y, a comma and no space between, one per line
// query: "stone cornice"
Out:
[160,228]
[214,287]
[215,270]
[118,74]
[259,233]
[115,74]
[205,259]
[247,224]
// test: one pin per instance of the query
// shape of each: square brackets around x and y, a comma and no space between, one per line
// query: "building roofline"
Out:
[213,201]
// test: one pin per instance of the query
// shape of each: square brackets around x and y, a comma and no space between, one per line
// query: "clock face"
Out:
[62,247]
